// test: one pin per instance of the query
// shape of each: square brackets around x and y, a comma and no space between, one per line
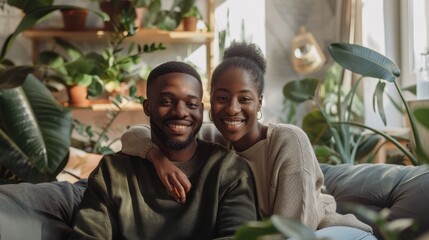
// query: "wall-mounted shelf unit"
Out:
[146,35]
[38,36]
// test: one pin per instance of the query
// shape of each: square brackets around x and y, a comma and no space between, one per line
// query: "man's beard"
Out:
[170,143]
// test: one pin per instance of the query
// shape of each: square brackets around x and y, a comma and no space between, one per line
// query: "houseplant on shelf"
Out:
[138,11]
[168,19]
[98,72]
[74,19]
[190,19]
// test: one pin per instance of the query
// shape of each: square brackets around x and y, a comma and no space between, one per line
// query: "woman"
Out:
[287,175]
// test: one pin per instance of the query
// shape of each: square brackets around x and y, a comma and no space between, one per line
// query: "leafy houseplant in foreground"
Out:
[276,227]
[34,129]
[34,133]
[369,63]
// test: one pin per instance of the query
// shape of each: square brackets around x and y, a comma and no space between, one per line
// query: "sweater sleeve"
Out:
[296,181]
[136,141]
[96,218]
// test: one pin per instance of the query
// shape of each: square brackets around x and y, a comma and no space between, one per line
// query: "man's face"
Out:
[175,108]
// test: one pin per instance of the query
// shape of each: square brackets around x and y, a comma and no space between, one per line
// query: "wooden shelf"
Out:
[143,35]
[106,105]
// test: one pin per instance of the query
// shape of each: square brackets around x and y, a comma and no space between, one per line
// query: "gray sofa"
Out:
[404,190]
[46,210]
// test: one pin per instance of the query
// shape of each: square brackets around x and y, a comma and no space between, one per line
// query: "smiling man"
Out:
[125,198]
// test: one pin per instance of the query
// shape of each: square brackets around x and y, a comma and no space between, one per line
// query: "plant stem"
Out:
[388,137]
[338,141]
[417,139]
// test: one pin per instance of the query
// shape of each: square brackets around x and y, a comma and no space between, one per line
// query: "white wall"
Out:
[282,23]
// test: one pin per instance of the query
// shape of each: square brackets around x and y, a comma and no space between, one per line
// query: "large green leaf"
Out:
[255,230]
[364,61]
[317,127]
[325,154]
[36,132]
[29,5]
[300,90]
[292,228]
[276,227]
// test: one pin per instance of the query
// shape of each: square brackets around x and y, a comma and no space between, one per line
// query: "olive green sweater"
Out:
[126,200]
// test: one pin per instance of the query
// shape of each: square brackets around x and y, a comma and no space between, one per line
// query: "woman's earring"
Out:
[259,115]
[210,115]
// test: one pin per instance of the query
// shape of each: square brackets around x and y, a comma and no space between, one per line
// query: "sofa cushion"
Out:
[38,211]
[404,190]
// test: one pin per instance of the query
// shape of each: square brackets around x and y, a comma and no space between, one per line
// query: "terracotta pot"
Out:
[113,10]
[190,24]
[77,96]
[74,19]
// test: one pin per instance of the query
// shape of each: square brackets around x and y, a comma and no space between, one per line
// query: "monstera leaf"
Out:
[300,90]
[35,132]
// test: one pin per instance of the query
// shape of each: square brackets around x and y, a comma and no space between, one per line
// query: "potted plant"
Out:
[117,9]
[98,72]
[190,19]
[141,7]
[74,19]
[168,19]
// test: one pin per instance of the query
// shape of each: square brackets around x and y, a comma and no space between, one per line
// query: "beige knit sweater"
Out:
[294,175]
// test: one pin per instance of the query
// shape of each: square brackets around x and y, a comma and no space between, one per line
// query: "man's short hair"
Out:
[172,67]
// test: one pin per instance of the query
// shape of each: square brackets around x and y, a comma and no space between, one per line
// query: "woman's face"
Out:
[234,105]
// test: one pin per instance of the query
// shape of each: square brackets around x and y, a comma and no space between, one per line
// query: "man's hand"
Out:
[172,177]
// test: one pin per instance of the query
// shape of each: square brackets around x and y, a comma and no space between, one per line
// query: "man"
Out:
[125,198]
